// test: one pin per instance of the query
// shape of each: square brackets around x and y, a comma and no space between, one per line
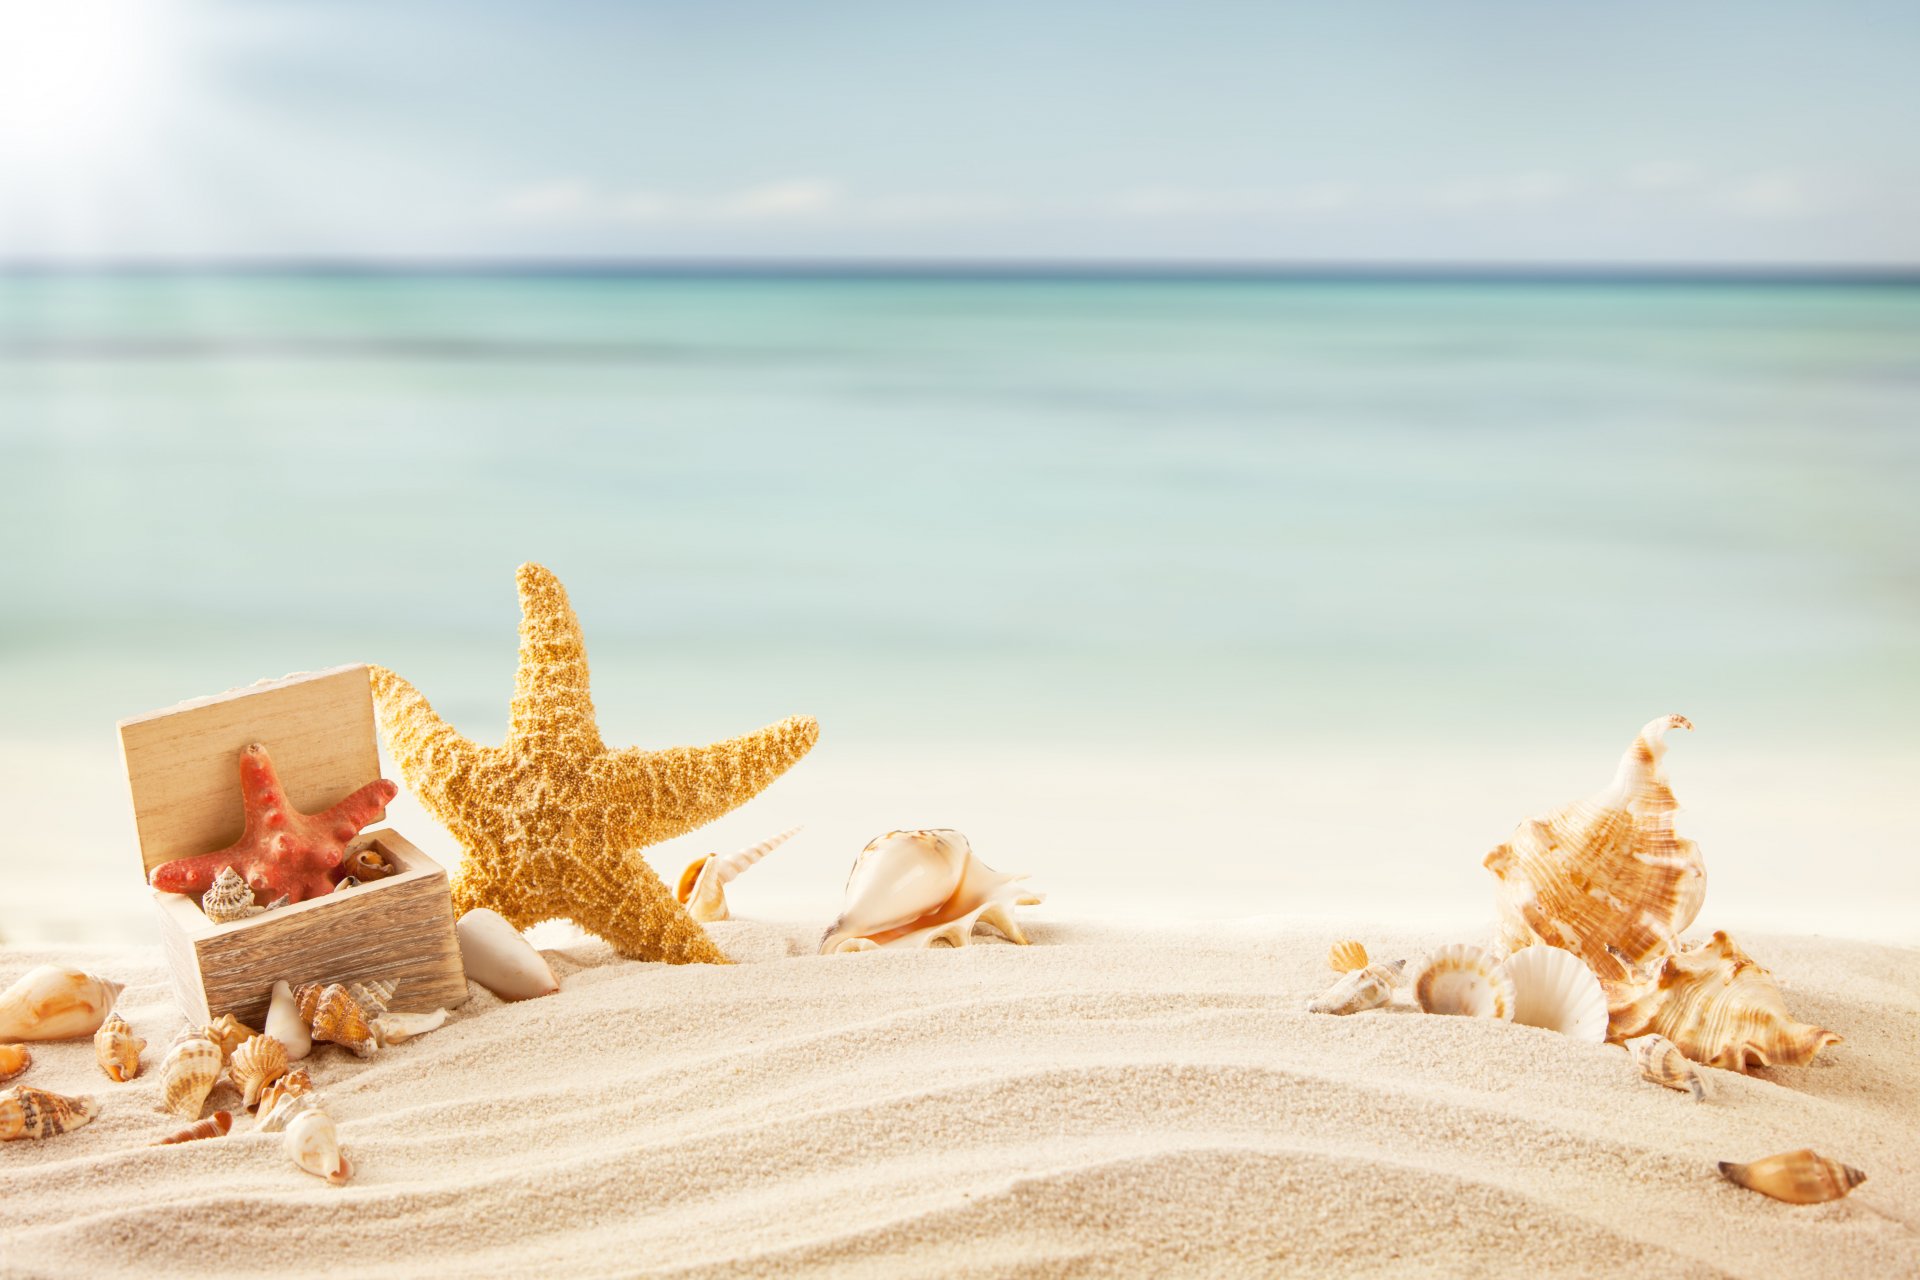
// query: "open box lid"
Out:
[183,762]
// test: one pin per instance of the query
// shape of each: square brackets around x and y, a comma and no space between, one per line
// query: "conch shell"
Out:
[332,1014]
[314,1144]
[187,1074]
[217,1125]
[1360,989]
[1719,1007]
[229,1033]
[291,1085]
[1606,877]
[14,1058]
[1797,1177]
[229,898]
[257,1064]
[499,959]
[1345,957]
[285,1024]
[35,1113]
[1463,980]
[921,888]
[1661,1061]
[55,1003]
[703,885]
[117,1049]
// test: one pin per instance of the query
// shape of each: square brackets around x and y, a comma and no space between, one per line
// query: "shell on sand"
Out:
[217,1125]
[373,996]
[26,1112]
[703,885]
[393,1026]
[187,1074]
[1464,980]
[276,1118]
[1719,1007]
[314,1145]
[229,1033]
[1360,989]
[1797,1177]
[920,889]
[291,1085]
[1606,877]
[1660,1060]
[334,1015]
[496,956]
[52,1002]
[1345,957]
[14,1058]
[257,1064]
[285,1024]
[117,1049]
[1553,989]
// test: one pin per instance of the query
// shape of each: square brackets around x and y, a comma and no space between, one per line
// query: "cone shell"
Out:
[1554,990]
[1605,878]
[229,1033]
[314,1145]
[285,1024]
[332,1014]
[1463,980]
[187,1074]
[55,1003]
[921,889]
[217,1125]
[26,1112]
[1345,957]
[14,1058]
[1661,1061]
[257,1064]
[496,956]
[1797,1177]
[117,1049]
[1360,989]
[1719,1007]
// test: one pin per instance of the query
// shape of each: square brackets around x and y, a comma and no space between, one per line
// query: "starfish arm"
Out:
[552,705]
[439,765]
[361,809]
[657,795]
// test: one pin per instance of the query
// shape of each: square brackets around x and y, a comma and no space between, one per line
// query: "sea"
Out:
[1198,596]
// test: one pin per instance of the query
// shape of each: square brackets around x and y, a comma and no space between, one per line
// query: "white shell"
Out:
[496,956]
[1358,990]
[285,1024]
[1555,989]
[924,888]
[393,1026]
[314,1144]
[284,1110]
[1463,980]
[52,1002]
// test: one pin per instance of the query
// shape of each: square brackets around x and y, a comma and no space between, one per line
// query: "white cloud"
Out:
[1771,196]
[819,200]
[1533,189]
[551,201]
[1658,175]
[804,198]
[1189,202]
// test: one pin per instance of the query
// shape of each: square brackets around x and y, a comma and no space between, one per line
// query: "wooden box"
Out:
[183,770]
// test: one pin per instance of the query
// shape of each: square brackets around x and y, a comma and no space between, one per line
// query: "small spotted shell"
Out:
[1360,990]
[1347,956]
[1661,1061]
[35,1113]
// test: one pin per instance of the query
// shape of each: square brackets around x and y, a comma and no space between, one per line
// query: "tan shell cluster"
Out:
[1718,1007]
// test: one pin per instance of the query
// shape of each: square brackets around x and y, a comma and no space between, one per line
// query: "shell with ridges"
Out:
[291,1085]
[495,955]
[1554,990]
[52,1002]
[276,1118]
[372,997]
[229,1033]
[1345,957]
[1360,989]
[1661,1061]
[26,1112]
[187,1074]
[229,898]
[117,1049]
[14,1058]
[217,1125]
[314,1145]
[1797,1177]
[1719,1007]
[1605,878]
[334,1015]
[1463,980]
[920,889]
[703,885]
[285,1024]
[257,1064]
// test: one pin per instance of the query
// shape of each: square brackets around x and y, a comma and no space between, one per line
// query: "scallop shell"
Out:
[1797,1177]
[332,1014]
[229,898]
[1719,1007]
[117,1049]
[1605,878]
[1553,989]
[703,885]
[52,1002]
[14,1058]
[314,1145]
[26,1112]
[1361,989]
[291,1085]
[217,1125]
[187,1074]
[285,1024]
[1463,980]
[922,889]
[229,1033]
[257,1064]
[497,957]
[1661,1061]
[1345,957]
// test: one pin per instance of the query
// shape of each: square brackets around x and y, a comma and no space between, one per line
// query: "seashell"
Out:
[1719,1007]
[349,882]
[496,956]
[392,1027]
[332,1014]
[922,888]
[1360,989]
[217,1125]
[367,865]
[257,1064]
[229,898]
[284,899]
[55,1003]
[373,997]
[1463,980]
[14,1058]
[1553,989]
[229,1033]
[26,1112]
[276,1118]
[1345,957]
[117,1049]
[285,1024]
[1606,877]
[703,885]
[187,1074]
[1797,1177]
[314,1145]
[1661,1061]
[291,1085]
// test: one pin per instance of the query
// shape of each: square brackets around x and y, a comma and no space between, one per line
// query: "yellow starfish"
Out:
[552,821]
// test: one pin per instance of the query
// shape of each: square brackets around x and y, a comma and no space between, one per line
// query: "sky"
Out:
[1477,131]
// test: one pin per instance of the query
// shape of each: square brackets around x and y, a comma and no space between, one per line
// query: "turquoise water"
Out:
[1052,512]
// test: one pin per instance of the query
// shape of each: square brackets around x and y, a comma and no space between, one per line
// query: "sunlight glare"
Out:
[76,76]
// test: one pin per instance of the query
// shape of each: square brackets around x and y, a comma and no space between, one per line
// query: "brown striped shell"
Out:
[217,1125]
[26,1112]
[117,1049]
[1797,1177]
[187,1074]
[1719,1007]
[334,1015]
[229,1033]
[257,1064]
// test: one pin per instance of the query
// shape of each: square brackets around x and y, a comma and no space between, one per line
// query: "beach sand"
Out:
[1110,1100]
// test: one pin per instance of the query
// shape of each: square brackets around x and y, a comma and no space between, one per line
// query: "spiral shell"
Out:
[276,1118]
[1719,1007]
[1463,980]
[1360,989]
[14,1058]
[55,1003]
[314,1145]
[187,1074]
[332,1014]
[291,1085]
[1661,1061]
[257,1064]
[27,1112]
[1345,957]
[703,885]
[229,898]
[920,889]
[217,1125]
[367,865]
[372,997]
[1797,1177]
[285,1024]
[117,1049]
[229,1033]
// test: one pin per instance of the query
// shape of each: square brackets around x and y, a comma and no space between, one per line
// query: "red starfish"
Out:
[282,851]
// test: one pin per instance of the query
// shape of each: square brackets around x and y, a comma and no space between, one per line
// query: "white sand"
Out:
[1102,1102]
